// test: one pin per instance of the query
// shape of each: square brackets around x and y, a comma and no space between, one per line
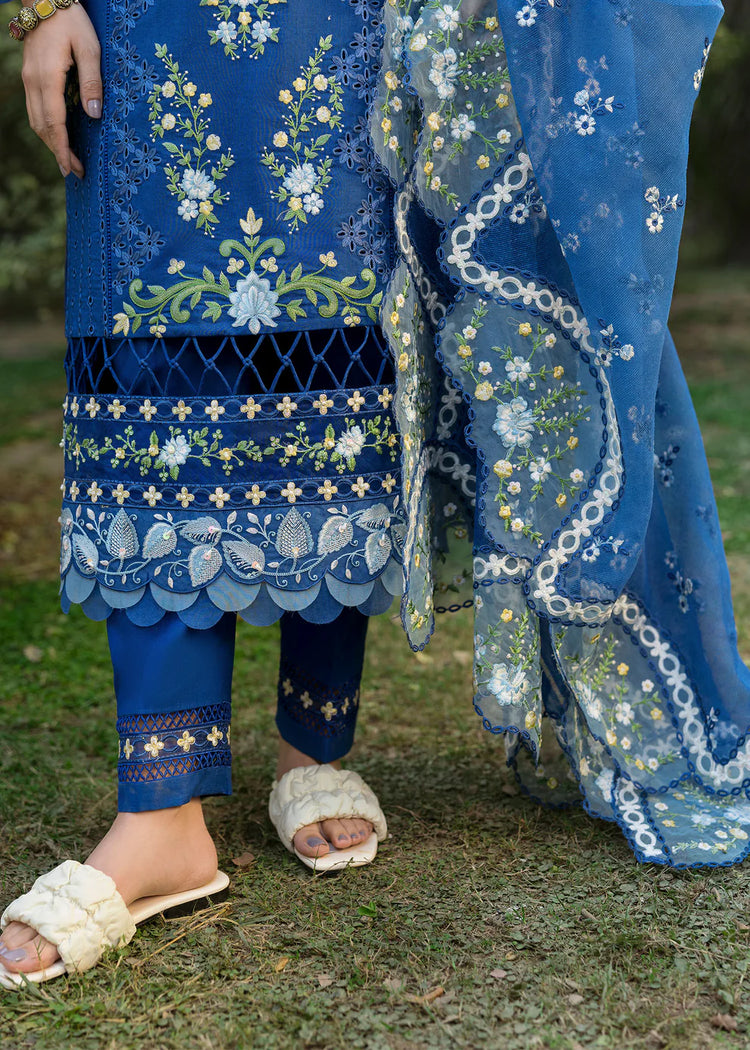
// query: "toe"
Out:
[30,955]
[336,833]
[352,830]
[16,933]
[361,828]
[311,841]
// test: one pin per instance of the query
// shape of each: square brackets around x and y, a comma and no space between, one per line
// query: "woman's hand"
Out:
[49,51]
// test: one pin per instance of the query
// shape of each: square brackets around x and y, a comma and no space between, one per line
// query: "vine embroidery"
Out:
[176,106]
[302,167]
[253,301]
[243,23]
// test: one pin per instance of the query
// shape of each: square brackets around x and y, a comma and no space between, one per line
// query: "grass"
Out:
[538,926]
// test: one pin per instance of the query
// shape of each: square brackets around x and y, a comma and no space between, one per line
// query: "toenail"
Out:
[14,955]
[316,842]
[341,838]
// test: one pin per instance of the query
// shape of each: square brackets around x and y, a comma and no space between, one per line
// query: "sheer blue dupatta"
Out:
[537,378]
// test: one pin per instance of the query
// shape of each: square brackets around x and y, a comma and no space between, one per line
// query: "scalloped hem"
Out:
[259,603]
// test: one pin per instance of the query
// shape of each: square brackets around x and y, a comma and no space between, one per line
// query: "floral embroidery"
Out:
[327,711]
[153,747]
[612,347]
[314,108]
[527,15]
[253,301]
[177,106]
[366,233]
[698,75]
[339,449]
[660,204]
[532,402]
[504,658]
[456,126]
[621,707]
[395,134]
[280,548]
[685,587]
[243,22]
[712,833]
[663,464]
[589,105]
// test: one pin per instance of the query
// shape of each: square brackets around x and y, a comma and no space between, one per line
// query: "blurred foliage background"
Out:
[32,198]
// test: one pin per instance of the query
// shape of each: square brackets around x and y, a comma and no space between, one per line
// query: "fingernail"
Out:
[316,842]
[63,172]
[94,108]
[14,955]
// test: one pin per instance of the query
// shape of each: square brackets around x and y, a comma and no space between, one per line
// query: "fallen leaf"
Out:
[33,653]
[422,658]
[499,975]
[575,999]
[280,965]
[743,926]
[462,657]
[725,1021]
[510,956]
[244,860]
[393,984]
[324,980]
[586,914]
[428,997]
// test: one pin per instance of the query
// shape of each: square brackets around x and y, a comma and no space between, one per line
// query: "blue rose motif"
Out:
[515,423]
[197,185]
[507,685]
[300,179]
[175,451]
[253,303]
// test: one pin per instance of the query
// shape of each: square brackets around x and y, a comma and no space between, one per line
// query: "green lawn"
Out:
[539,927]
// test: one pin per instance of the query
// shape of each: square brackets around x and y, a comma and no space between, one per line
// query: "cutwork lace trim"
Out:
[155,747]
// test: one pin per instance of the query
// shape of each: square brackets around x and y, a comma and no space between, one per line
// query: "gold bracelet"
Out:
[28,18]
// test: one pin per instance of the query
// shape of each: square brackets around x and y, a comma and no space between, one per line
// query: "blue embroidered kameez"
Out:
[229,439]
[519,259]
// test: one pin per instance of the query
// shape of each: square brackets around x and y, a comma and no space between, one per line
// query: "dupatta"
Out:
[553,466]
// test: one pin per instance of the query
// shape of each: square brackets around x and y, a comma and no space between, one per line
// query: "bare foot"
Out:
[156,852]
[315,840]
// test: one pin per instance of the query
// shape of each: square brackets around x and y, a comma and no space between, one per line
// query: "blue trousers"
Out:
[173,687]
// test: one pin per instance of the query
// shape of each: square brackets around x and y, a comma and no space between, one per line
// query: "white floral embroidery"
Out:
[659,205]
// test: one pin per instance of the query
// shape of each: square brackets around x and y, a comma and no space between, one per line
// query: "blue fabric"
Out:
[173,687]
[549,165]
[551,462]
[241,156]
[228,435]
[319,676]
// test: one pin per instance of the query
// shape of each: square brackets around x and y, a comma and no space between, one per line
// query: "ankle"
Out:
[290,757]
[157,851]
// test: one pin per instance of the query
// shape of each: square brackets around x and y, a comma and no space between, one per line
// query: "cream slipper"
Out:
[309,794]
[78,909]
